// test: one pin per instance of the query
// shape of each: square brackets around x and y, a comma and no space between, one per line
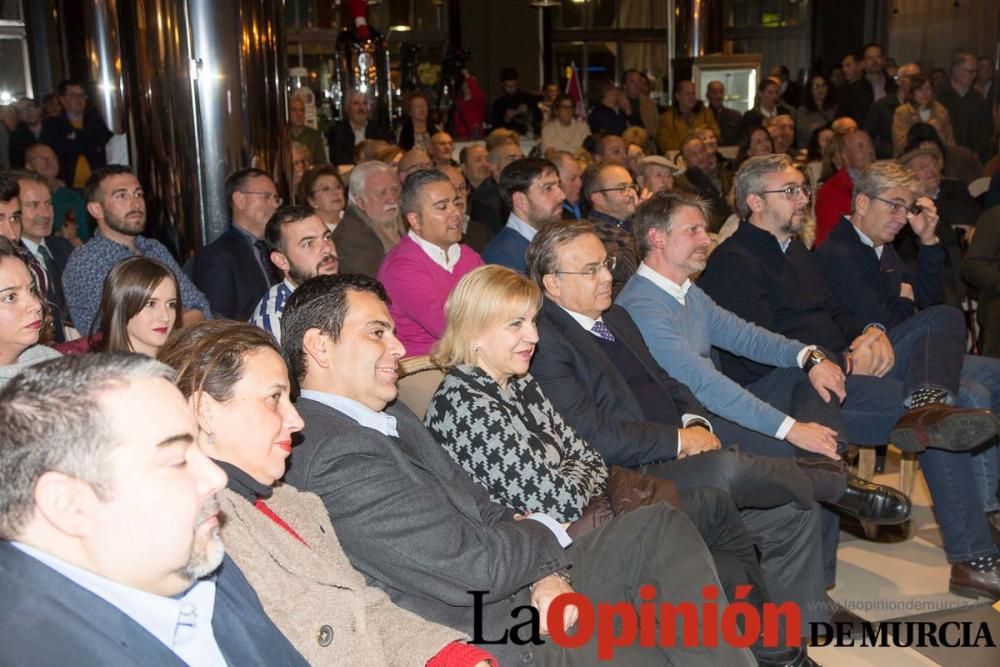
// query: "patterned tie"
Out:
[601,330]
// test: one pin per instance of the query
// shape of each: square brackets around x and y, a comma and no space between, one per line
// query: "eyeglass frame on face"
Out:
[609,263]
[913,208]
[266,195]
[325,189]
[622,189]
[791,192]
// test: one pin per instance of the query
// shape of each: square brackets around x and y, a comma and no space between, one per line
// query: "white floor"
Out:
[894,577]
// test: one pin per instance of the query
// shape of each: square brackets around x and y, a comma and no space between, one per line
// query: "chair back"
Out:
[419,378]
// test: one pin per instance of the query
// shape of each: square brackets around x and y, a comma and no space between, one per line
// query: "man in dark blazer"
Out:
[530,186]
[348,132]
[486,204]
[110,551]
[373,205]
[234,271]
[597,371]
[78,136]
[730,120]
[414,522]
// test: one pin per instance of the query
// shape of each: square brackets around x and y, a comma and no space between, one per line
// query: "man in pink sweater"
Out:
[420,272]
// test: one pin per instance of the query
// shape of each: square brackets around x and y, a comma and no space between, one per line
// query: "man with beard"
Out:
[420,272]
[370,226]
[301,248]
[116,201]
[110,529]
[530,187]
[902,383]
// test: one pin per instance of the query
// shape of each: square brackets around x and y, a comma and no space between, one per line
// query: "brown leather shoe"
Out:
[971,583]
[943,427]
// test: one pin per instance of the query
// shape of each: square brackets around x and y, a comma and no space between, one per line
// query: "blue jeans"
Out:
[980,388]
[926,355]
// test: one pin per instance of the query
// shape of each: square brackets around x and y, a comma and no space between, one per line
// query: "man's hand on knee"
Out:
[814,438]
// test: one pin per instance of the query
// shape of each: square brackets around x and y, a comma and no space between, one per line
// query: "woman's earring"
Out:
[211,438]
[475,347]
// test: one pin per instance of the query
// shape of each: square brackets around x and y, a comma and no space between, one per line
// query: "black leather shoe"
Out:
[971,583]
[875,503]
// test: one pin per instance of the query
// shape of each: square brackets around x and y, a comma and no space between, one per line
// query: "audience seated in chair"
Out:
[22,306]
[370,226]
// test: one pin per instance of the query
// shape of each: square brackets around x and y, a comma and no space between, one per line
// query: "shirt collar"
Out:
[868,242]
[521,227]
[679,292]
[446,259]
[158,614]
[382,422]
[31,245]
[247,236]
[584,321]
[243,484]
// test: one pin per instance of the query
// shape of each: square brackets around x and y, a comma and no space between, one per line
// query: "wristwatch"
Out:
[815,358]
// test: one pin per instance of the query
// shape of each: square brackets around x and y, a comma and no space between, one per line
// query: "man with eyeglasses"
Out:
[971,119]
[115,199]
[78,136]
[902,379]
[235,269]
[530,187]
[612,195]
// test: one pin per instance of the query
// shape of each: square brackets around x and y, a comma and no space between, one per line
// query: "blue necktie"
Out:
[601,330]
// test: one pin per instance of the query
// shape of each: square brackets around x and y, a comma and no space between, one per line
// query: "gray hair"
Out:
[360,175]
[750,178]
[885,175]
[55,420]
[658,212]
[542,252]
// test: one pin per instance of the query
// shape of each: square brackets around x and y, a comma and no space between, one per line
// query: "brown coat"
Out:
[309,590]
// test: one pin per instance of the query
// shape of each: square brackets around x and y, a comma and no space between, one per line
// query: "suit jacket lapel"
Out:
[585,342]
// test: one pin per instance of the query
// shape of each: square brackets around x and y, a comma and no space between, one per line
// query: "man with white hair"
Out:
[370,226]
[109,526]
[354,128]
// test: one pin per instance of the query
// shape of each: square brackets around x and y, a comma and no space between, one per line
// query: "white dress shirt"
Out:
[446,259]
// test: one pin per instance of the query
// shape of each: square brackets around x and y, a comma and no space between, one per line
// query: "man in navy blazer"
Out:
[234,271]
[530,186]
[109,530]
[348,132]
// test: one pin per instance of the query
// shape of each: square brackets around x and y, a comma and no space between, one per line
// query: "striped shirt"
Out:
[267,313]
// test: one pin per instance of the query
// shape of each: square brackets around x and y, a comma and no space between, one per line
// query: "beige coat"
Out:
[311,591]
[907,116]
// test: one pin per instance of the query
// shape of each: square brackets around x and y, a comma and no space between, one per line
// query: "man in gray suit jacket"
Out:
[421,529]
[110,551]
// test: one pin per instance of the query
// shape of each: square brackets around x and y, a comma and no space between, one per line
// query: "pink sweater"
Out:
[418,289]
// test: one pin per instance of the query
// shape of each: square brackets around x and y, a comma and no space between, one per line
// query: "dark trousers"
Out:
[789,390]
[655,545]
[929,349]
[787,536]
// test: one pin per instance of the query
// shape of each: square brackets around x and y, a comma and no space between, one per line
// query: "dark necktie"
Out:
[601,330]
[263,258]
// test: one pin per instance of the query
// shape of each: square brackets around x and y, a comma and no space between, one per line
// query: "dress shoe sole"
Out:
[971,593]
[956,433]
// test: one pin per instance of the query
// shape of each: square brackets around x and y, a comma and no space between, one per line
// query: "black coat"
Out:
[487,205]
[590,393]
[340,139]
[70,143]
[784,292]
[868,288]
[229,275]
[48,620]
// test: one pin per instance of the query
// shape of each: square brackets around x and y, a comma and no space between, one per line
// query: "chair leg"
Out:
[907,472]
[866,470]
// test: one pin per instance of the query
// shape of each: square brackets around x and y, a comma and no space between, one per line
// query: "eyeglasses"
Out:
[792,191]
[325,189]
[270,196]
[895,206]
[609,263]
[622,189]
